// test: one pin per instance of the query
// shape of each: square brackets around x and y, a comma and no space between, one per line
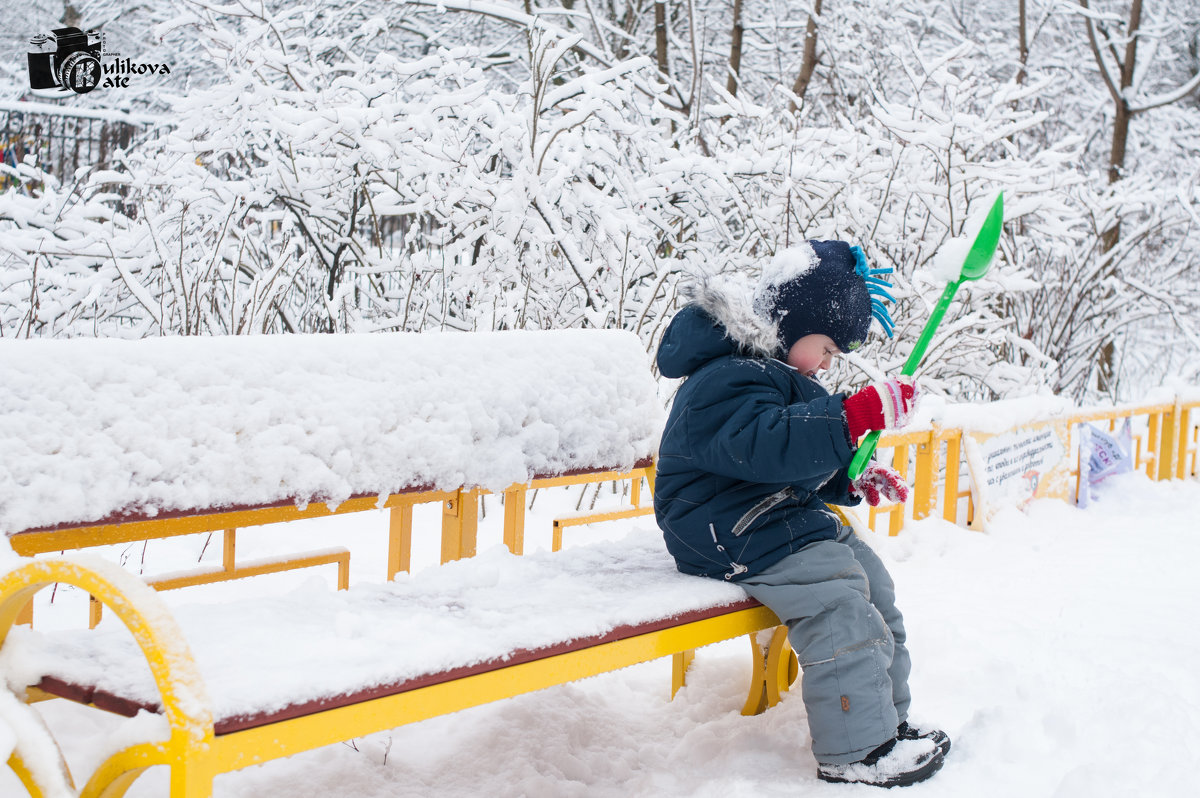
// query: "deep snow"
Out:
[1058,650]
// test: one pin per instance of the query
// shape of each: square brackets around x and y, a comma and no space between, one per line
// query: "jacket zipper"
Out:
[757,510]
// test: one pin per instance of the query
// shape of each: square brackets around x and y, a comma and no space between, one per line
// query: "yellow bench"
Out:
[169,424]
[211,732]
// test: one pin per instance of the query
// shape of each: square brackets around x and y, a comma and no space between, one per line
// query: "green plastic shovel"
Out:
[978,259]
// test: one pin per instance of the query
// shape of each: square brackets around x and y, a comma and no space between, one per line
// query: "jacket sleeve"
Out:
[837,491]
[741,427]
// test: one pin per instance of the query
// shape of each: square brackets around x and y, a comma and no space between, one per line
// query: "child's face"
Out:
[812,354]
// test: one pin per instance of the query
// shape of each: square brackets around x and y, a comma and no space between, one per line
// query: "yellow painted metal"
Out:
[33,695]
[680,662]
[285,738]
[1184,414]
[775,669]
[782,666]
[17,765]
[900,463]
[341,558]
[457,531]
[950,493]
[86,536]
[400,527]
[756,699]
[1153,449]
[514,518]
[925,478]
[188,747]
[399,556]
[230,571]
[592,518]
[49,777]
[586,478]
[460,525]
[1166,447]
[117,774]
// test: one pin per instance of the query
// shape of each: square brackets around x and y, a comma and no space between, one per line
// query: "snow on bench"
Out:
[327,648]
[103,429]
[246,682]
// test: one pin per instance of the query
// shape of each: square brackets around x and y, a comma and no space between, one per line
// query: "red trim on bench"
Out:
[134,517]
[124,706]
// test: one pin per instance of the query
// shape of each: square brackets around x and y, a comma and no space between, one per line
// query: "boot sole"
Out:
[900,780]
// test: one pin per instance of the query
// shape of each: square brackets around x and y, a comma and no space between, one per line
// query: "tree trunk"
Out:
[809,64]
[660,37]
[1106,366]
[735,50]
[1023,44]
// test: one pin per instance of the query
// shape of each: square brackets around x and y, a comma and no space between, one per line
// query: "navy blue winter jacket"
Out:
[751,452]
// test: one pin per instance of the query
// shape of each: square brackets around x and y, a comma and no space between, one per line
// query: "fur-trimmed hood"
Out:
[734,309]
[719,320]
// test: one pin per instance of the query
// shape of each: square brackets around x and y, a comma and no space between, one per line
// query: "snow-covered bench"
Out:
[250,681]
[109,441]
[104,439]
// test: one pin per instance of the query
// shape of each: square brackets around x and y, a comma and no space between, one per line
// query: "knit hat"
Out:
[825,288]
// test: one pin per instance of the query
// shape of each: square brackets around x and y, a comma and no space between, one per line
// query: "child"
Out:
[753,449]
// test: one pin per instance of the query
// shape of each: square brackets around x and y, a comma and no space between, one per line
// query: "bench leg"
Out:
[191,767]
[679,666]
[185,702]
[36,758]
[775,669]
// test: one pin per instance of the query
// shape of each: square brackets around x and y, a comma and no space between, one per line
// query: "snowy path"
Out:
[1058,650]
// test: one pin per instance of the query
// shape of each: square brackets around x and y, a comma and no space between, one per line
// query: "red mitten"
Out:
[880,482]
[884,405]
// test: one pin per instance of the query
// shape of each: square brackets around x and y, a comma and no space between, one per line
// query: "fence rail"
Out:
[1165,445]
[63,139]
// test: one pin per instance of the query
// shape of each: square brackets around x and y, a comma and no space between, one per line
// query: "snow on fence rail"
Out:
[92,429]
[968,460]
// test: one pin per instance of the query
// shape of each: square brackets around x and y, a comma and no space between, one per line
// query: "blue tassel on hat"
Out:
[877,289]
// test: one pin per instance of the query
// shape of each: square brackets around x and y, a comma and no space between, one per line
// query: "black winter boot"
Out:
[896,763]
[939,737]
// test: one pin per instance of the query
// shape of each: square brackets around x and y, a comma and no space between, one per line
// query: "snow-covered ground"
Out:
[1058,650]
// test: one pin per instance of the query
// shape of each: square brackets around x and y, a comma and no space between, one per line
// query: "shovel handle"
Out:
[858,463]
[865,449]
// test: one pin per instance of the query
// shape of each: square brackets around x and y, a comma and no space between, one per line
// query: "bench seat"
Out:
[328,648]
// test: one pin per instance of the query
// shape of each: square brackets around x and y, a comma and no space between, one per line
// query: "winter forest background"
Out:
[360,165]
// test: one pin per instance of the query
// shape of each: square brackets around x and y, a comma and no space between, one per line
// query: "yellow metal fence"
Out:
[933,461]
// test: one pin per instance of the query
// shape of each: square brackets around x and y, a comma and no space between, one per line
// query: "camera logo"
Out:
[67,59]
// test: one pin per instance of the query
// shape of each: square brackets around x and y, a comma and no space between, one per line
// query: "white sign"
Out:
[1014,462]
[1013,467]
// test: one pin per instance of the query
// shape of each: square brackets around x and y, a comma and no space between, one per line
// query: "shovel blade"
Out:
[979,258]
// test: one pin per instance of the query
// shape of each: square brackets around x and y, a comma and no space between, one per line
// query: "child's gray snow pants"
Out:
[839,604]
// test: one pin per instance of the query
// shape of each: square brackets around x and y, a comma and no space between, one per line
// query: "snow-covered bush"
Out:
[448,165]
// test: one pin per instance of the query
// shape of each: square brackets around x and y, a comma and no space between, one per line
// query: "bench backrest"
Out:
[99,428]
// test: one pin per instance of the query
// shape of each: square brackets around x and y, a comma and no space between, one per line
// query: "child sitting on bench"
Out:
[753,449]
